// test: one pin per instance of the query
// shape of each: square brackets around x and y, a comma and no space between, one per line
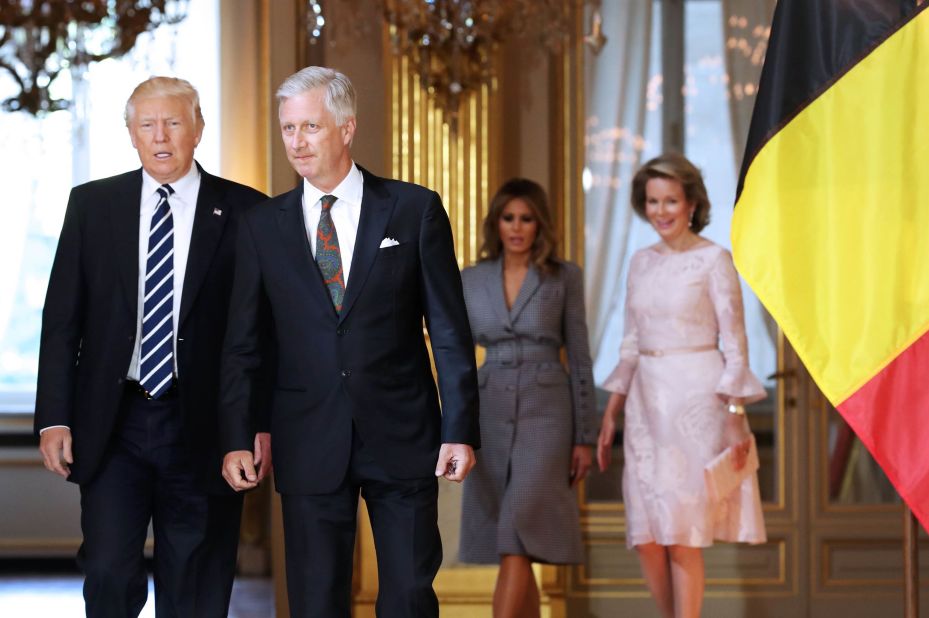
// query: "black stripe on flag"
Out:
[813,43]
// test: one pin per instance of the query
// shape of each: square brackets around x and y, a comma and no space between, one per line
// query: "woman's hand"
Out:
[605,442]
[737,436]
[608,430]
[581,458]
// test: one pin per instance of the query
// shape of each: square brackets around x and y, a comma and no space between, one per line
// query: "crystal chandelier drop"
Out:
[41,38]
[451,42]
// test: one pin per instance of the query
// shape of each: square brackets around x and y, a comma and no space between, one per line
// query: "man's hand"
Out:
[263,455]
[581,459]
[239,470]
[455,461]
[55,446]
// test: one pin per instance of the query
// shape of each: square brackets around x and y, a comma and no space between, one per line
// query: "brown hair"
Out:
[676,167]
[545,246]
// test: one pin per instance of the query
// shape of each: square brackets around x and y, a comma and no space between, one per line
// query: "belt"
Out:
[137,387]
[514,352]
[685,350]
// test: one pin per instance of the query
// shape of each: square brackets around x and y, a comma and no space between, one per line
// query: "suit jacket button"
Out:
[340,331]
[346,373]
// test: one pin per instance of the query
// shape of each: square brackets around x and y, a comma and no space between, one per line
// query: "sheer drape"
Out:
[617,83]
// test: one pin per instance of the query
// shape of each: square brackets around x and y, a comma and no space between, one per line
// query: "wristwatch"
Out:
[736,408]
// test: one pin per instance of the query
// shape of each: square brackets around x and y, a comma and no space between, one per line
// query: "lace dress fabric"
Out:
[684,345]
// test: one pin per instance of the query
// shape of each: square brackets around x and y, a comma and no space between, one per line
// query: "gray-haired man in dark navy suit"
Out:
[350,265]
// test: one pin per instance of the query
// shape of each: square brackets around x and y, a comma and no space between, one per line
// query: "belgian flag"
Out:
[831,224]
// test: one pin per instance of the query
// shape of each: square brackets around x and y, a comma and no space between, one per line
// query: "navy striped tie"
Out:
[156,357]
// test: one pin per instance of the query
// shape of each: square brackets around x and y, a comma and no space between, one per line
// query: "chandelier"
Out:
[41,38]
[451,43]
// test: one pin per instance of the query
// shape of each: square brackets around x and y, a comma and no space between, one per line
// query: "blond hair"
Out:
[166,87]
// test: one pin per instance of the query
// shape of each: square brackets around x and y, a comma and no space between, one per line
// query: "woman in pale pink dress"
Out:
[682,380]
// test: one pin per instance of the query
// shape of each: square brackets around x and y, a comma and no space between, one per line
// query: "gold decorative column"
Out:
[464,165]
[458,164]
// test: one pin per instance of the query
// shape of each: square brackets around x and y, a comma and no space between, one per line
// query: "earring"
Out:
[691,224]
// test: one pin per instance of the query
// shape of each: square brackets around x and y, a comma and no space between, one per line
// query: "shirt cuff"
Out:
[44,429]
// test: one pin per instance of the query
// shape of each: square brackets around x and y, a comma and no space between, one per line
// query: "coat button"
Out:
[346,373]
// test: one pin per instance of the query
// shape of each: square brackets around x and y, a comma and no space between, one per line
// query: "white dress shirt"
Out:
[183,205]
[345,214]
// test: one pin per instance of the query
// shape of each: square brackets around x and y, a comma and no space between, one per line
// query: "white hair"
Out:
[340,94]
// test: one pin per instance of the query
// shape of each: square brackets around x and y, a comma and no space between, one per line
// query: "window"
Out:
[42,158]
[614,142]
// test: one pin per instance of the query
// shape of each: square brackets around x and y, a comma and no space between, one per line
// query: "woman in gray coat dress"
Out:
[538,421]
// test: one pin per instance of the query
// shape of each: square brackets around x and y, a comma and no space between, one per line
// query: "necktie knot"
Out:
[327,201]
[164,191]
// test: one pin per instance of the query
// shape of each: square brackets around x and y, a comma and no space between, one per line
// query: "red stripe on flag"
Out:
[890,414]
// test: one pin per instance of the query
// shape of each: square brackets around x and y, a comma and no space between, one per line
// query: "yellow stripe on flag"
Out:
[829,207]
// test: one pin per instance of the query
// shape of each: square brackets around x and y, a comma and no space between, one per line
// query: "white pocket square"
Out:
[388,242]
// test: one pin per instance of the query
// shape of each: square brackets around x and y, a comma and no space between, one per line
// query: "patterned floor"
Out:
[38,596]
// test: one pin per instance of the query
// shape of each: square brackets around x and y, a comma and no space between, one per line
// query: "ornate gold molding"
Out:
[461,166]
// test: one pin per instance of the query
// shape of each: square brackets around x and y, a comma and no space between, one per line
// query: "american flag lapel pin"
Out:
[218,212]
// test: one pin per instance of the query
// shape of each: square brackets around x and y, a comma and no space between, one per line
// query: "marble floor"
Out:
[59,596]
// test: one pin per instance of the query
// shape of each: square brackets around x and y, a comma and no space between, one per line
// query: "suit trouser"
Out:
[320,538]
[147,476]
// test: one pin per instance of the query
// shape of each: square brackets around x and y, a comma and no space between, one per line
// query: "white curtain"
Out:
[623,99]
[617,96]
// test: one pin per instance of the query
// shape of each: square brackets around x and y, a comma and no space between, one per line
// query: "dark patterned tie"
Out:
[156,354]
[328,256]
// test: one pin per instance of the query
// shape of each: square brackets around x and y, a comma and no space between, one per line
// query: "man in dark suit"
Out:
[351,264]
[126,401]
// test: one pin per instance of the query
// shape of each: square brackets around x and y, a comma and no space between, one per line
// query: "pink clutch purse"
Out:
[721,476]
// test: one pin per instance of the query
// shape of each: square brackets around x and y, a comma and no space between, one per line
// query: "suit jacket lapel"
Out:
[376,207]
[125,210]
[296,244]
[207,232]
[526,291]
[494,285]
